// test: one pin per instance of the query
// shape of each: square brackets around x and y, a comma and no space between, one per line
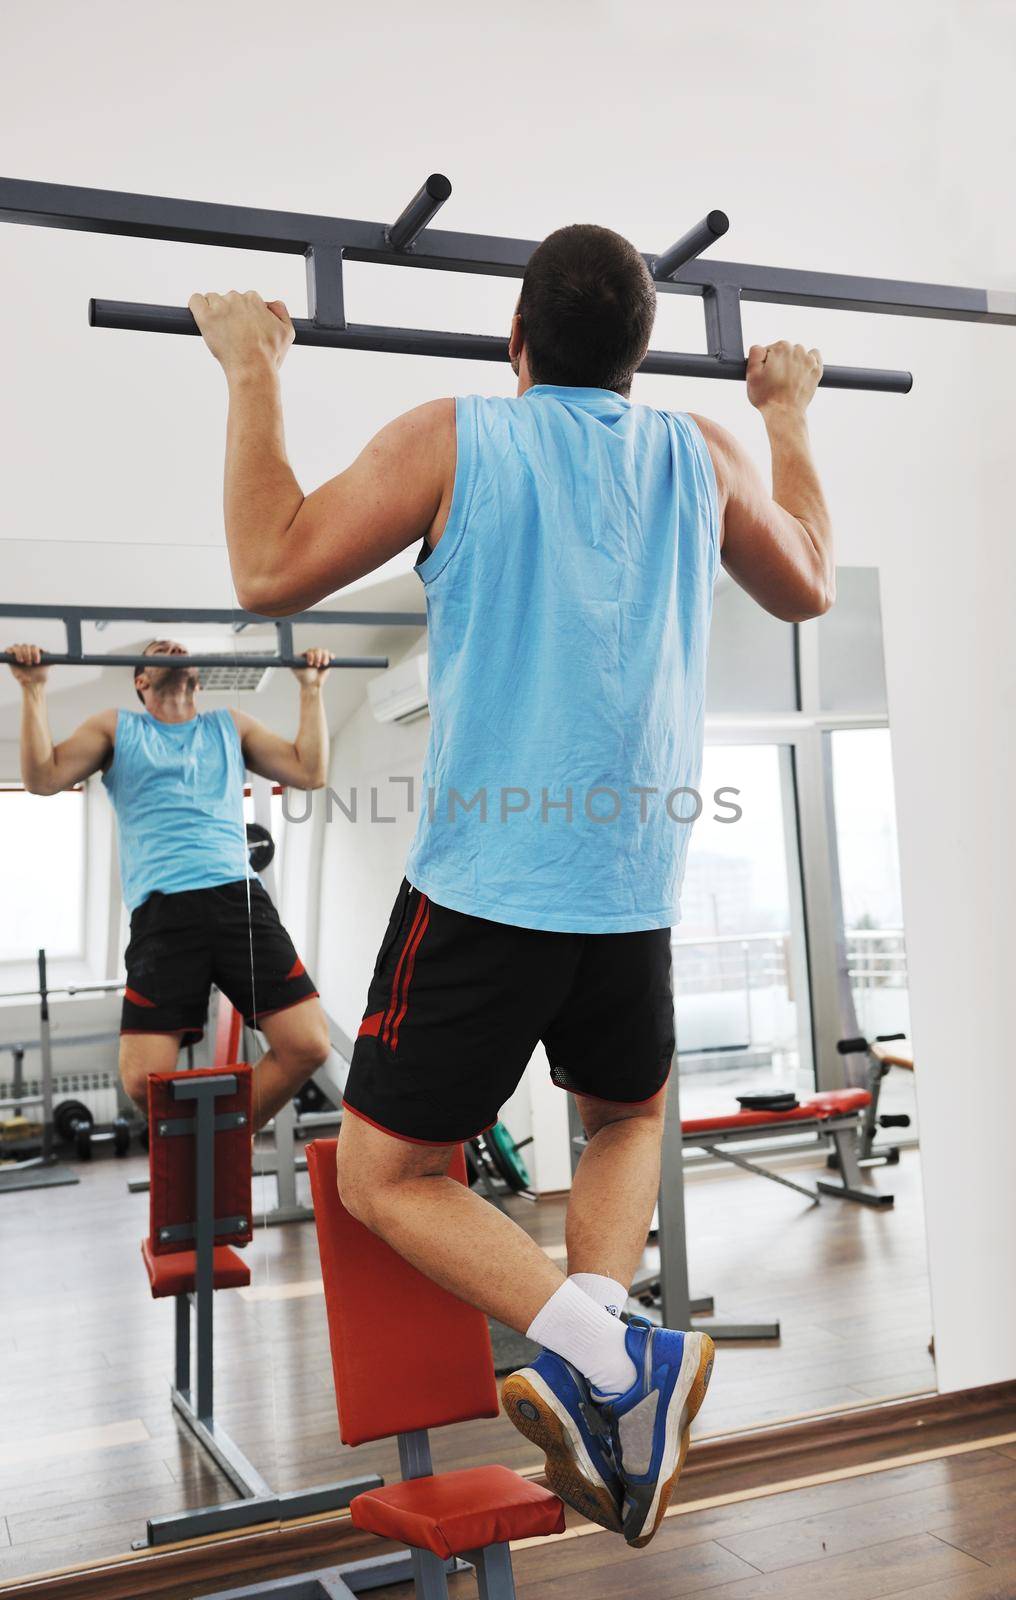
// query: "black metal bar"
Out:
[894,297]
[377,663]
[421,210]
[182,1342]
[691,244]
[724,337]
[204,1280]
[259,1502]
[204,1092]
[494,1577]
[242,227]
[414,1454]
[325,300]
[373,619]
[47,1063]
[473,346]
[183,1127]
[183,1232]
[327,241]
[325,1497]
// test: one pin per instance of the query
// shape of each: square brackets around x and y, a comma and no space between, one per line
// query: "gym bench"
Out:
[424,1362]
[200,1207]
[834,1114]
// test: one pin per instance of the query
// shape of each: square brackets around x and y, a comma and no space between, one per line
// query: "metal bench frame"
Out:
[194,1402]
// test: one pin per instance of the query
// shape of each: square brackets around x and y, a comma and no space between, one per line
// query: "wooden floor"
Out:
[939,1530]
[91,1448]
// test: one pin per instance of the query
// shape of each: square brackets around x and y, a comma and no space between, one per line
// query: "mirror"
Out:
[791,943]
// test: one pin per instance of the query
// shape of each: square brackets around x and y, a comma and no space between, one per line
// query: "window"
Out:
[42,879]
[738,956]
[866,844]
[869,863]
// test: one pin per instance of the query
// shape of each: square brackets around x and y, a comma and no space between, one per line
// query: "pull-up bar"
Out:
[327,242]
[72,618]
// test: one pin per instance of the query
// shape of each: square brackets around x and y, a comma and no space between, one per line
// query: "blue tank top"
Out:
[177,789]
[568,608]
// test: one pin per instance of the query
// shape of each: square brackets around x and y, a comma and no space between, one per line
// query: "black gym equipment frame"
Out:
[75,655]
[193,1388]
[327,242]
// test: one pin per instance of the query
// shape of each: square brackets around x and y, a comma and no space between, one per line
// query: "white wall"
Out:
[871,138]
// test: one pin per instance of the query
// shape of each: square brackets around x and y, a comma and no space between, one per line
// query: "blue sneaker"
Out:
[651,1424]
[550,1403]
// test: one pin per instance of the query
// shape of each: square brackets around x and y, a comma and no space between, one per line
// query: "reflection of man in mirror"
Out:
[199,915]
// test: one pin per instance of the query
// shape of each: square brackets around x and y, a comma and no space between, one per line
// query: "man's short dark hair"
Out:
[139,670]
[587,305]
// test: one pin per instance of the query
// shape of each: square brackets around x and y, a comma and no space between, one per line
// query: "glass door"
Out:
[740,973]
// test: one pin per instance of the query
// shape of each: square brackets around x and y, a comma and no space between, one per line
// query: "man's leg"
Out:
[615,1187]
[401,1191]
[454,1011]
[144,1053]
[298,1044]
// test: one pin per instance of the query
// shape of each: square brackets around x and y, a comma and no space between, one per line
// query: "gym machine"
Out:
[327,242]
[200,1208]
[71,1121]
[75,655]
[880,1061]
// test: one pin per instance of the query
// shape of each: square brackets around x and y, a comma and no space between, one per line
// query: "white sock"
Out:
[584,1333]
[607,1292]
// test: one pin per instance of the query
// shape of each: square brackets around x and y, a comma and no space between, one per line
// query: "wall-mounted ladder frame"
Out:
[327,242]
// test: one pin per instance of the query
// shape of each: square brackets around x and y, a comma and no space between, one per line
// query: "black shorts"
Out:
[182,943]
[457,1005]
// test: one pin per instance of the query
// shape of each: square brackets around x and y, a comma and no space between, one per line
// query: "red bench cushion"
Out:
[177,1273]
[453,1512]
[834,1102]
[171,1159]
[830,1103]
[425,1361]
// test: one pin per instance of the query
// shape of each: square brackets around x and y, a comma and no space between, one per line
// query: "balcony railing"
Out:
[735,991]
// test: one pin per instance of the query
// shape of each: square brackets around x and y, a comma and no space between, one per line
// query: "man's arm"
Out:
[288,550]
[303,762]
[47,768]
[778,547]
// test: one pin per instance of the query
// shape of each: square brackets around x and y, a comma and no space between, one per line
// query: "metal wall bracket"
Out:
[327,242]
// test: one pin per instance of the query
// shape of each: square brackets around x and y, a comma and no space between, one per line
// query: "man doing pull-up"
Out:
[199,916]
[568,541]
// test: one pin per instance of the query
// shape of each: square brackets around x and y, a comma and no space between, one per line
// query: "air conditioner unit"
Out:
[400,694]
[236,676]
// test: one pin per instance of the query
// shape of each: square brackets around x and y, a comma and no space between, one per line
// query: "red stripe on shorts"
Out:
[408,976]
[393,1003]
[137,999]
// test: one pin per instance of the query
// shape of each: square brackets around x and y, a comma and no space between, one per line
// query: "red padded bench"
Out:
[199,1193]
[424,1362]
[836,1114]
[200,1201]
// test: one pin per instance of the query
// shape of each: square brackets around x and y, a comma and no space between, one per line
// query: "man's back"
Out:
[569,600]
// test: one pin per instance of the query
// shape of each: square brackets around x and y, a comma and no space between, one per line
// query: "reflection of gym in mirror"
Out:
[483,1095]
